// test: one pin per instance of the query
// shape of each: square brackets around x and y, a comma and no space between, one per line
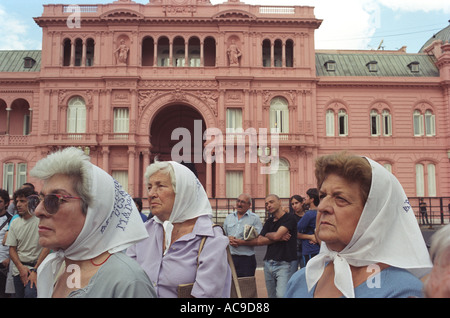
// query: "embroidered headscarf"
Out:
[191,200]
[387,232]
[112,224]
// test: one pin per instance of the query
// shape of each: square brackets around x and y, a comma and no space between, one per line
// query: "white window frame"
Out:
[8,177]
[342,114]
[121,120]
[387,123]
[21,174]
[234,183]
[431,178]
[374,123]
[76,115]
[430,124]
[279,115]
[418,123]
[420,180]
[234,120]
[329,122]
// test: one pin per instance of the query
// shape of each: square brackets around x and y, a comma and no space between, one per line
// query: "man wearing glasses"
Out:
[24,249]
[235,224]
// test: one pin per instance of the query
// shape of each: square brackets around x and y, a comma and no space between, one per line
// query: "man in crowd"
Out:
[243,256]
[24,249]
[5,217]
[279,233]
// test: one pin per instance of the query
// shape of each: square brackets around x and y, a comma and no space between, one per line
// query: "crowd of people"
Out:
[82,235]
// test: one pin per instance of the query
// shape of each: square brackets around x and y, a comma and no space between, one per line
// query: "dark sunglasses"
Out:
[51,202]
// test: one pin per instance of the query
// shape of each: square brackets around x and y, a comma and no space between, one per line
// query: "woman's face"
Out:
[60,230]
[296,205]
[161,196]
[339,211]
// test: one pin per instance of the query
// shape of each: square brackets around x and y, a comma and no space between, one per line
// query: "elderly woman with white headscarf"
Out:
[87,219]
[372,246]
[182,218]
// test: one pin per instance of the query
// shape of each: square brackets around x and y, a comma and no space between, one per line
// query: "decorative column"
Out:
[105,157]
[131,170]
[8,111]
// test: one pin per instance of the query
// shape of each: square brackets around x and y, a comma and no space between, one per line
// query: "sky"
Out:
[347,24]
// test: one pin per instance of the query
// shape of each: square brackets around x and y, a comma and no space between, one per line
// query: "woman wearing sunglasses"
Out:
[87,219]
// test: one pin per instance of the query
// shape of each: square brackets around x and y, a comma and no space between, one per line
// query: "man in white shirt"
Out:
[243,256]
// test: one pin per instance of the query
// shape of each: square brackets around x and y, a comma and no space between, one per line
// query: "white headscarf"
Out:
[112,224]
[387,232]
[191,200]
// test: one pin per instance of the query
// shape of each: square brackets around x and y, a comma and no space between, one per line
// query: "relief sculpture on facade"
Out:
[121,53]
[234,53]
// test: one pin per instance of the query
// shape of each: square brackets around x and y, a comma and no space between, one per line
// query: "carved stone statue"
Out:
[121,53]
[234,53]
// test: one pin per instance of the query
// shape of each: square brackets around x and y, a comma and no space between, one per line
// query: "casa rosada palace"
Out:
[131,83]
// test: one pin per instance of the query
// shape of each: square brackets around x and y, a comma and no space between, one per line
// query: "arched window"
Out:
[289,53]
[430,123]
[418,123]
[179,59]
[266,53]
[329,122]
[278,53]
[279,115]
[342,123]
[90,49]
[163,51]
[78,51]
[387,123]
[424,125]
[67,52]
[148,51]
[76,115]
[209,49]
[374,123]
[194,52]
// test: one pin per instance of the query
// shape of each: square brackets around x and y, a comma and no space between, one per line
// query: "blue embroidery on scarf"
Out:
[122,209]
[406,206]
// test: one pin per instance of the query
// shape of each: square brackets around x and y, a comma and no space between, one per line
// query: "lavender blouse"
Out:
[212,278]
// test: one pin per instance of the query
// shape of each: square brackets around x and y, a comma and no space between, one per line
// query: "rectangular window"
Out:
[21,176]
[8,177]
[235,183]
[343,123]
[431,176]
[418,124]
[234,119]
[121,120]
[387,123]
[420,184]
[330,123]
[375,124]
[430,128]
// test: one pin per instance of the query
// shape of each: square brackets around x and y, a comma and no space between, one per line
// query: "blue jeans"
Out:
[277,275]
[24,291]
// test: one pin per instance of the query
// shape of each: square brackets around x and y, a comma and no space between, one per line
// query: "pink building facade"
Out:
[132,83]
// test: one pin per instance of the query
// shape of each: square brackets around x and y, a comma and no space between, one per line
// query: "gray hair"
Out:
[440,247]
[164,167]
[72,162]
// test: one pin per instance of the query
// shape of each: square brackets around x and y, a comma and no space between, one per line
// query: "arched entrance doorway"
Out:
[190,125]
